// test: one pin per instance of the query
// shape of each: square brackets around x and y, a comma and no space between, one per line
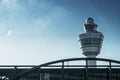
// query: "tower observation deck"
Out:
[91,40]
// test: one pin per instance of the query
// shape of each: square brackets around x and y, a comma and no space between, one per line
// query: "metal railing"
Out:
[19,71]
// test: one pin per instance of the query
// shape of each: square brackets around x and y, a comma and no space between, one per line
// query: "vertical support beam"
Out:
[86,70]
[110,73]
[68,64]
[15,71]
[63,78]
[39,73]
[86,62]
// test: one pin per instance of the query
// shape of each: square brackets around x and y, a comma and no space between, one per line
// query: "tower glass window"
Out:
[90,41]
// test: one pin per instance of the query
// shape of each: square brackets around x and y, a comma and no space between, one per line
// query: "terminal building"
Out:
[88,68]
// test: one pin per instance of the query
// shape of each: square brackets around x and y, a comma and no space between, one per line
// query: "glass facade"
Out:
[90,28]
[81,74]
[76,74]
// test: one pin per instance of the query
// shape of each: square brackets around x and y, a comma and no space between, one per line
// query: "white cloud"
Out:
[10,4]
[35,51]
[9,33]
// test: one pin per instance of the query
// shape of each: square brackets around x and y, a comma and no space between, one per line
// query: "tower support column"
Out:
[91,63]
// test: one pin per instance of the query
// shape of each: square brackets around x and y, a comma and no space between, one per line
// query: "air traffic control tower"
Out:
[91,40]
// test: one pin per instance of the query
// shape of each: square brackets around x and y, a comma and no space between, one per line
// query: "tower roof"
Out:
[90,25]
[90,20]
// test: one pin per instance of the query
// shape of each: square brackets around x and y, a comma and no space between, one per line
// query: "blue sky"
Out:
[38,31]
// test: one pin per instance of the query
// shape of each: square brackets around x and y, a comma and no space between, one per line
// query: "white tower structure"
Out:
[91,40]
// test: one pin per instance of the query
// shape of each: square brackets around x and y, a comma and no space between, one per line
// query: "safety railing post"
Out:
[63,78]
